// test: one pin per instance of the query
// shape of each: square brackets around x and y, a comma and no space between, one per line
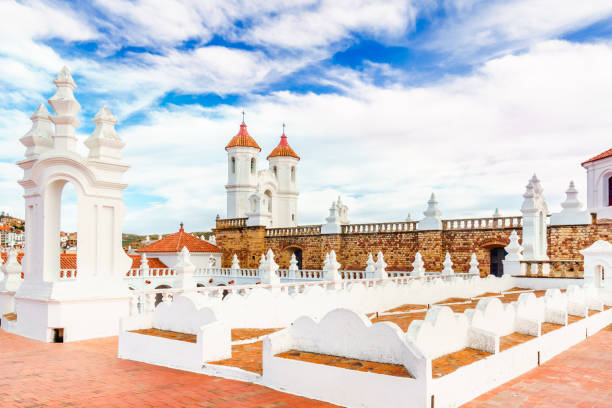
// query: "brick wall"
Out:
[399,248]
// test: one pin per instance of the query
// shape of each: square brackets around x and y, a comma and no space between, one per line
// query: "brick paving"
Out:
[246,357]
[88,374]
[245,334]
[579,378]
[167,334]
[396,370]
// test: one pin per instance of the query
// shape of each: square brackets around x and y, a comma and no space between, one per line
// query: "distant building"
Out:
[167,250]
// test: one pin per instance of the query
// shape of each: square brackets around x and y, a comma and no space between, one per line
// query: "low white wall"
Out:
[212,344]
[184,315]
[264,308]
[348,334]
[546,283]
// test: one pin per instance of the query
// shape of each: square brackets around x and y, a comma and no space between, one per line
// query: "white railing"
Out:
[379,227]
[292,231]
[68,274]
[144,301]
[483,223]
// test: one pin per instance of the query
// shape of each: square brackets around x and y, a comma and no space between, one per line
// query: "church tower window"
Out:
[275,171]
[233,165]
[293,174]
[610,192]
[253,165]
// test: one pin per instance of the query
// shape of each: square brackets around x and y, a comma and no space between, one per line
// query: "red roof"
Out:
[175,243]
[153,262]
[68,261]
[283,149]
[4,256]
[243,139]
[607,153]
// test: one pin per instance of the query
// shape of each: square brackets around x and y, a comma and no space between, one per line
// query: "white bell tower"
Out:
[283,163]
[242,155]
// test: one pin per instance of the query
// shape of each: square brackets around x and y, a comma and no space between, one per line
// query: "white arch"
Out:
[598,264]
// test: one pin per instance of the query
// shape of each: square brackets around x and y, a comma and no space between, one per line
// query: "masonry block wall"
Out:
[399,248]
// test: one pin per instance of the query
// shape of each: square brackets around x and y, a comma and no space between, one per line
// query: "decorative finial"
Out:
[181,225]
[242,115]
[283,128]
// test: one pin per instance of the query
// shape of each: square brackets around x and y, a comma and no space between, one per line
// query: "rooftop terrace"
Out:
[88,374]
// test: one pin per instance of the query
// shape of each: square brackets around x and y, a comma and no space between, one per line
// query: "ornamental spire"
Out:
[104,142]
[40,137]
[66,107]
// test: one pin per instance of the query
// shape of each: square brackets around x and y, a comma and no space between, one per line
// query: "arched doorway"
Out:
[288,252]
[298,255]
[497,255]
[159,297]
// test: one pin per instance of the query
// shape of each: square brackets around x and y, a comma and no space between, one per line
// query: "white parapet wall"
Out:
[274,308]
[184,315]
[345,333]
[349,334]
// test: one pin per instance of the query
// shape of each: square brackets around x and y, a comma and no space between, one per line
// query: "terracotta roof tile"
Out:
[283,149]
[243,139]
[175,243]
[607,153]
[4,256]
[68,261]
[153,262]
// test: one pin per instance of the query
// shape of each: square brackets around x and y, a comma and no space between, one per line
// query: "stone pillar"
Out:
[512,261]
[380,266]
[370,267]
[448,265]
[418,266]
[535,211]
[185,269]
[235,265]
[474,265]
[432,220]
[293,267]
[270,270]
[144,266]
[10,282]
[331,268]
[572,213]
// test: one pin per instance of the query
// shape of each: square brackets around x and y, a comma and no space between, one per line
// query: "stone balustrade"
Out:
[68,274]
[379,227]
[482,223]
[146,299]
[231,223]
[294,231]
[555,268]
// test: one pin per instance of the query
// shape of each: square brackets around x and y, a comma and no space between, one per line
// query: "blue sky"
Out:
[385,101]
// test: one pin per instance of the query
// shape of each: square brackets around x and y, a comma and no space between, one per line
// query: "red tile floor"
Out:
[88,374]
[580,377]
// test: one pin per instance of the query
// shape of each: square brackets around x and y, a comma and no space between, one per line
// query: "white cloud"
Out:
[473,25]
[474,140]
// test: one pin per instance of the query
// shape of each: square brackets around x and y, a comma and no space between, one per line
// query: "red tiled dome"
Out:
[243,139]
[283,149]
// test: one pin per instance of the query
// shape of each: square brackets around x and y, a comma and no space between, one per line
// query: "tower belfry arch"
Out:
[88,303]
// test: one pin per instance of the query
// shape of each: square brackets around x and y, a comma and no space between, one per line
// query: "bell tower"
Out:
[242,154]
